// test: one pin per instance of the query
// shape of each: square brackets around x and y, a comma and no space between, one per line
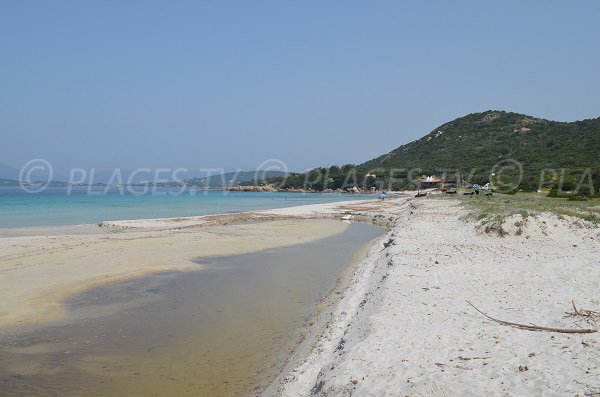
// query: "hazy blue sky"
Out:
[229,84]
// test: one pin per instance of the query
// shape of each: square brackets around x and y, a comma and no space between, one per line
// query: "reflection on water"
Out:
[214,332]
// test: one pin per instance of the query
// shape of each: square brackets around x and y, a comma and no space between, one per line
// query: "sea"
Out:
[62,206]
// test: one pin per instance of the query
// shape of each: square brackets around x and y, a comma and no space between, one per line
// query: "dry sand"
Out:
[403,327]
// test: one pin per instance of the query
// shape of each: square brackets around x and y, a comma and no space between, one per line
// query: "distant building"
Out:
[431,181]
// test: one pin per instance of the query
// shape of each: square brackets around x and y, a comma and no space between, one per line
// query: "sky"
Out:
[231,84]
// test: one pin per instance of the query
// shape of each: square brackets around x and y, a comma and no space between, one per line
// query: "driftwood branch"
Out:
[584,312]
[537,327]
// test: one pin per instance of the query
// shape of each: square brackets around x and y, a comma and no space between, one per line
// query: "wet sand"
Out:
[218,331]
[40,272]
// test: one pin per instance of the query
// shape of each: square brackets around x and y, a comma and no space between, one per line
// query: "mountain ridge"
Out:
[484,139]
[503,124]
[528,152]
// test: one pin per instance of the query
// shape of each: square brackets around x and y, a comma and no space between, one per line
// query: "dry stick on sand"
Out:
[584,312]
[538,328]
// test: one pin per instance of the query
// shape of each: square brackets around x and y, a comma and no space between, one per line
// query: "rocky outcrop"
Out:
[253,188]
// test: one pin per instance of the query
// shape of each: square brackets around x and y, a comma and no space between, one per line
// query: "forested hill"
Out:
[483,139]
[471,148]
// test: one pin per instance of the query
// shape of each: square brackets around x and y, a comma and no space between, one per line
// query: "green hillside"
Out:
[469,149]
[478,141]
[482,139]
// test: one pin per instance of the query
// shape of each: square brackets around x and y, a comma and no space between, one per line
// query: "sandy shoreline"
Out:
[403,327]
[42,266]
[39,272]
[308,334]
[398,322]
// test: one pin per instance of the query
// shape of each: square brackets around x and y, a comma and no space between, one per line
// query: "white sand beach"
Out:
[403,326]
[399,322]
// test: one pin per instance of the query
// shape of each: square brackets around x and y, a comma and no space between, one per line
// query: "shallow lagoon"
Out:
[217,331]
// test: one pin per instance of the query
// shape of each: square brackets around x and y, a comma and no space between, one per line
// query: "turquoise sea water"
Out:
[58,206]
